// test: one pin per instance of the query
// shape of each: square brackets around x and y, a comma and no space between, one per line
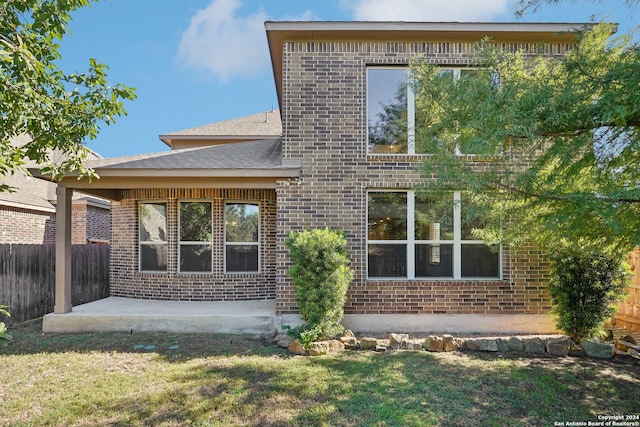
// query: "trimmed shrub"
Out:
[584,285]
[321,275]
[5,338]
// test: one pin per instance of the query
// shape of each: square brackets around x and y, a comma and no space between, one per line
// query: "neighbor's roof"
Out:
[31,193]
[253,127]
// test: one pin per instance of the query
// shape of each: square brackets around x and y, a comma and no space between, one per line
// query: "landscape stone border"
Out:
[624,350]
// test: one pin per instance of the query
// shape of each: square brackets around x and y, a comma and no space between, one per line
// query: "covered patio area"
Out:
[117,314]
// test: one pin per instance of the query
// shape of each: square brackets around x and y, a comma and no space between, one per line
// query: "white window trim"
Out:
[411,242]
[152,242]
[193,243]
[224,237]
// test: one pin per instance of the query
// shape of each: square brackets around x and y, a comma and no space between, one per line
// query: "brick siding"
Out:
[19,225]
[324,125]
[128,281]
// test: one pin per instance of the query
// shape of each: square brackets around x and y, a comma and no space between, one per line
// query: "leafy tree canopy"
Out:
[525,6]
[557,140]
[58,110]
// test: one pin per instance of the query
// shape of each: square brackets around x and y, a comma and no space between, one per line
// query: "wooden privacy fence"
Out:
[27,278]
[628,315]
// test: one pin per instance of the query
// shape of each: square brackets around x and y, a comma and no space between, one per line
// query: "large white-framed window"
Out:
[392,116]
[195,233]
[420,236]
[241,237]
[152,236]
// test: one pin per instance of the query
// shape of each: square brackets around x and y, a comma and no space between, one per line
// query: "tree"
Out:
[56,109]
[534,5]
[556,140]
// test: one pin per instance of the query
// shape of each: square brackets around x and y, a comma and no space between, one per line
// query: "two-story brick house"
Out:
[207,220]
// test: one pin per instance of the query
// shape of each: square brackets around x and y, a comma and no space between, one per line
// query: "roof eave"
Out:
[280,31]
[289,171]
[169,139]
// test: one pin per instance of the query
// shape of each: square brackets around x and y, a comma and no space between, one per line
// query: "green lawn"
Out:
[220,380]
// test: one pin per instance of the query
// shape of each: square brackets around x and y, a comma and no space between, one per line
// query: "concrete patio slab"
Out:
[116,314]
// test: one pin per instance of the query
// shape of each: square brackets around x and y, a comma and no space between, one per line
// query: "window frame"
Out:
[412,241]
[410,108]
[180,242]
[456,72]
[164,242]
[258,243]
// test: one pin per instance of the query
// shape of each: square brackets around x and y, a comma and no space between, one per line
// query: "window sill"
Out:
[435,279]
[471,158]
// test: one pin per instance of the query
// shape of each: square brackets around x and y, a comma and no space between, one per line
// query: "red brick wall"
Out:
[127,281]
[324,124]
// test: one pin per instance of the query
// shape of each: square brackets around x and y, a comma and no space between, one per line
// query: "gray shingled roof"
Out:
[264,154]
[261,124]
[31,192]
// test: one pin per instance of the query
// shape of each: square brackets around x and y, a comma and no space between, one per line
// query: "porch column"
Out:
[63,250]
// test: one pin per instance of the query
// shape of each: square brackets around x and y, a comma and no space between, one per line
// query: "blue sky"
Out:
[195,62]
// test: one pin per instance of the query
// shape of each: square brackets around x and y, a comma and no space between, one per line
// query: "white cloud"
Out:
[220,42]
[425,10]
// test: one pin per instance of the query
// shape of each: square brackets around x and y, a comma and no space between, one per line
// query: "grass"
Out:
[106,379]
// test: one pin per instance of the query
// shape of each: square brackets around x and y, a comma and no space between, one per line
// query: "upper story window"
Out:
[390,111]
[152,236]
[241,238]
[412,235]
[195,237]
[392,116]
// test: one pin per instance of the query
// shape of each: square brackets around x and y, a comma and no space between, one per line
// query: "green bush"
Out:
[321,275]
[584,285]
[4,336]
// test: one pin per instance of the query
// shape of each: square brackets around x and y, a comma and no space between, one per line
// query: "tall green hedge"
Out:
[584,285]
[321,275]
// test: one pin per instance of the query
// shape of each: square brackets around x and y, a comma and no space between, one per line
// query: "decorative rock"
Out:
[469,345]
[318,348]
[449,343]
[558,346]
[282,340]
[335,346]
[398,341]
[348,333]
[534,346]
[433,343]
[597,350]
[575,350]
[380,348]
[296,347]
[626,358]
[350,343]
[414,345]
[626,345]
[629,338]
[515,344]
[368,343]
[485,344]
[503,346]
